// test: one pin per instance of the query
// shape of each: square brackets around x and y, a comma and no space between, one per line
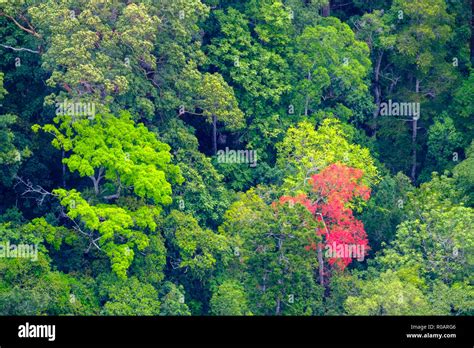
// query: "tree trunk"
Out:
[64,169]
[280,281]
[321,264]
[97,181]
[413,140]
[306,105]
[377,91]
[214,134]
[326,12]
[414,135]
[96,184]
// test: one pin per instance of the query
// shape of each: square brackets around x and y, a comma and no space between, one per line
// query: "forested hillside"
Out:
[236,157]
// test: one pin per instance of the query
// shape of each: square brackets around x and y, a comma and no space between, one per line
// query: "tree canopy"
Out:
[236,157]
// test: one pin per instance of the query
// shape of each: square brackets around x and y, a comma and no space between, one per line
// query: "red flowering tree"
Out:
[335,191]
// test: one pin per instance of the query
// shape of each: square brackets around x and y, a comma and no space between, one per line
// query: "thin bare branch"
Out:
[20,49]
[37,190]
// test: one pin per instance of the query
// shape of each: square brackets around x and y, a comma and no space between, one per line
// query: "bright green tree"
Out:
[305,151]
[132,160]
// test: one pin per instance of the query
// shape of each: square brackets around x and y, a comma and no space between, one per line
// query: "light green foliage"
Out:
[106,224]
[9,6]
[249,47]
[109,52]
[388,295]
[149,265]
[442,244]
[178,49]
[443,141]
[464,175]
[305,151]
[196,248]
[425,26]
[464,99]
[425,270]
[30,286]
[341,285]
[229,299]
[305,13]
[129,154]
[457,299]
[463,106]
[330,64]
[440,193]
[129,297]
[247,63]
[218,100]
[88,43]
[273,22]
[270,258]
[374,28]
[173,300]
[437,236]
[10,157]
[53,235]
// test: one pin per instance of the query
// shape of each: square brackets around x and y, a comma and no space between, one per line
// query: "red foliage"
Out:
[335,187]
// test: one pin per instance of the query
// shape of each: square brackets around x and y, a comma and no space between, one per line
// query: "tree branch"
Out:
[20,49]
[30,31]
[30,188]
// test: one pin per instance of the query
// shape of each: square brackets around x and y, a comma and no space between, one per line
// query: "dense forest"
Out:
[236,157]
